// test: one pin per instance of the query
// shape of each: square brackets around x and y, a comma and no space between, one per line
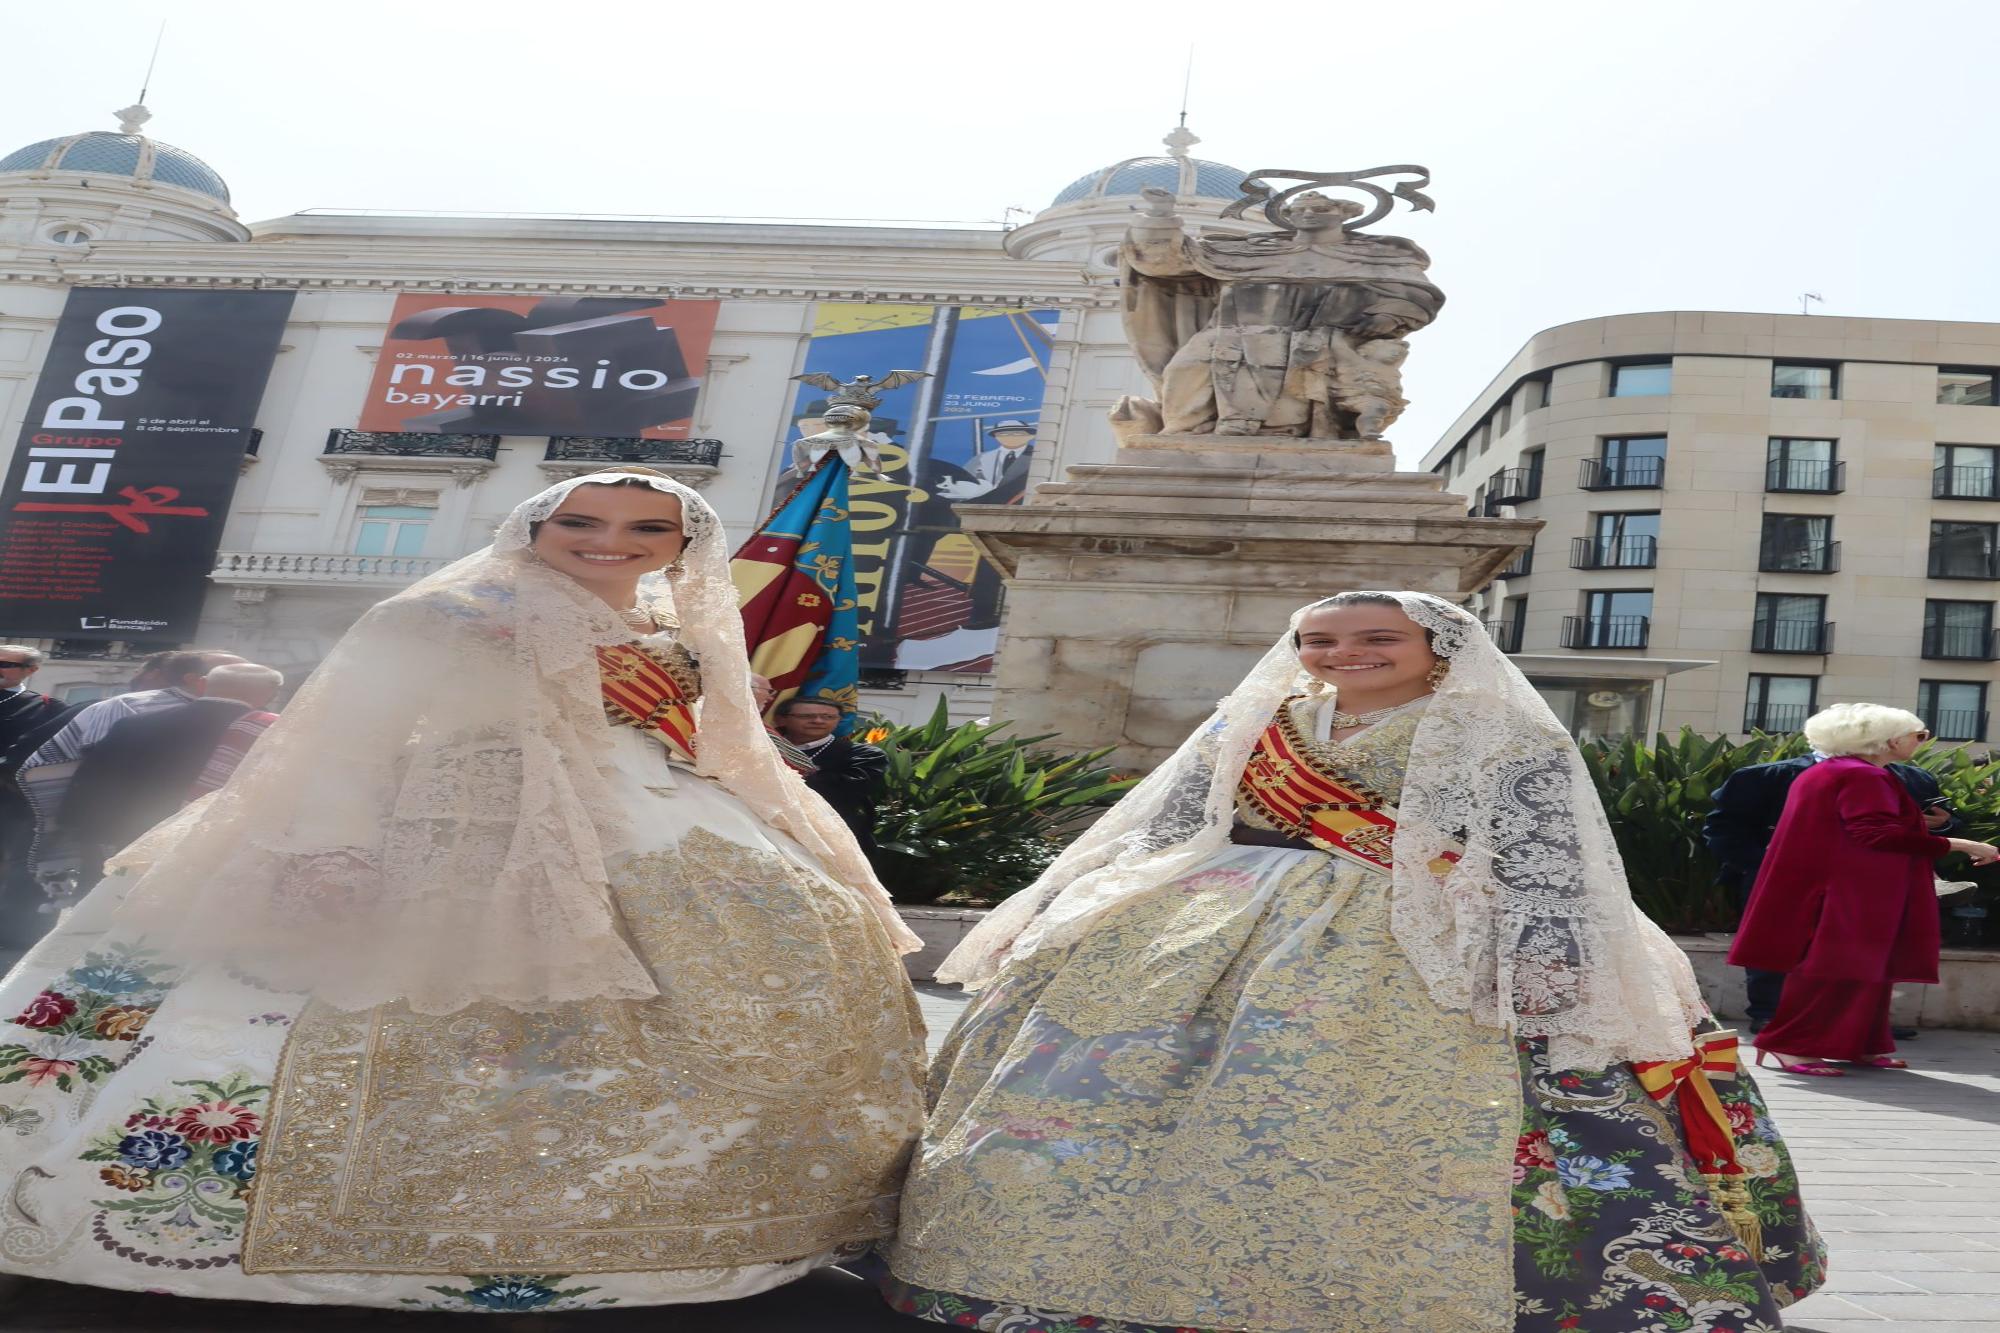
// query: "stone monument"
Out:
[1256,478]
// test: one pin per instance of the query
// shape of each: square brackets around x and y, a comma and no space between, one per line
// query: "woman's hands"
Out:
[1982,853]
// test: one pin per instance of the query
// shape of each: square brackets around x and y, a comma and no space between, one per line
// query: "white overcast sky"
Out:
[1589,157]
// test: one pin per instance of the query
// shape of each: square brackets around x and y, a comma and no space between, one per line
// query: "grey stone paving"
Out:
[1901,1169]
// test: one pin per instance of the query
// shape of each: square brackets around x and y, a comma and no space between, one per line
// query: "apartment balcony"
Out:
[1792,636]
[1806,558]
[1799,476]
[1777,719]
[294,569]
[1961,643]
[465,458]
[1524,565]
[1606,631]
[1514,485]
[1631,474]
[1965,483]
[1954,724]
[1614,552]
[690,462]
[1958,562]
[1506,634]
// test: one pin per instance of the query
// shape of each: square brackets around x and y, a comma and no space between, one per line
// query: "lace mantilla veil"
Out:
[1533,930]
[429,821]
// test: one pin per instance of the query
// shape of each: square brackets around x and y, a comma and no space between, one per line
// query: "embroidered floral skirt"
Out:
[198,1136]
[1233,1106]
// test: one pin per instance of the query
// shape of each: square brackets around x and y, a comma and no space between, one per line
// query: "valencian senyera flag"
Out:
[795,584]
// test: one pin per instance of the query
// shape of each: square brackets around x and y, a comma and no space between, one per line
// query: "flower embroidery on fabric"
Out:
[1593,1173]
[217,1122]
[46,1010]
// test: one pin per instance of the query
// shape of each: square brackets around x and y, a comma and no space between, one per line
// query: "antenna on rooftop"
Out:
[1187,83]
[146,84]
[1806,299]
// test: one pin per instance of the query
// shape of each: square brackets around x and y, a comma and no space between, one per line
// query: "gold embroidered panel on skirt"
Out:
[1232,1105]
[761,1110]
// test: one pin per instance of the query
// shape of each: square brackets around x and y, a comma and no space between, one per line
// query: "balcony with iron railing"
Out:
[1961,643]
[1965,483]
[1606,631]
[1791,636]
[1524,565]
[1954,724]
[1775,718]
[1514,485]
[1627,474]
[1799,557]
[1958,561]
[1614,552]
[1506,633]
[1804,476]
[690,461]
[411,444]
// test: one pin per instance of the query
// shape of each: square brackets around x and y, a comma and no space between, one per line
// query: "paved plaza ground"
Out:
[1902,1170]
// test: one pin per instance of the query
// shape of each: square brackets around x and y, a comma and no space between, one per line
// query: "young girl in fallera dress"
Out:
[1344,1020]
[512,971]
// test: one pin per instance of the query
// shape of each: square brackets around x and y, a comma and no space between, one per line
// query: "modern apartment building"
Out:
[1776,512]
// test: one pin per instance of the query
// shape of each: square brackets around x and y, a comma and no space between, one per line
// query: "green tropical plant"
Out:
[972,814]
[1656,797]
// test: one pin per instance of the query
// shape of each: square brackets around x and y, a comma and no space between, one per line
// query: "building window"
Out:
[1790,623]
[1802,465]
[1507,630]
[1779,703]
[1953,710]
[1964,472]
[1622,619]
[392,529]
[1626,462]
[1524,565]
[1646,379]
[1541,392]
[69,234]
[1961,631]
[1796,380]
[1798,544]
[1965,387]
[1619,541]
[1482,438]
[1964,550]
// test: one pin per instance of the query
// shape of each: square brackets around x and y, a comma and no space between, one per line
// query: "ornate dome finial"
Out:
[1180,139]
[132,119]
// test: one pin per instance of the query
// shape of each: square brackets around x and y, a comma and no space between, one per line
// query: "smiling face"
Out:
[605,537]
[1366,650]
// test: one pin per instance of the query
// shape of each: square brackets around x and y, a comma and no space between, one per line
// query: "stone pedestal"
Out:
[1142,590]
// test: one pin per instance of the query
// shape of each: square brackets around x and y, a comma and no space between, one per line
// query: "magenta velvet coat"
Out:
[1845,893]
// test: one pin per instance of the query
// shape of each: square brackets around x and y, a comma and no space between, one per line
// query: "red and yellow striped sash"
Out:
[1300,795]
[647,689]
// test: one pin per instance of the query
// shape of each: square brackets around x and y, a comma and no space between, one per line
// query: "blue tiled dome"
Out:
[1186,176]
[103,153]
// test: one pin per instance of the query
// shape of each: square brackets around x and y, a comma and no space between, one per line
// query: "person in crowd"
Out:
[1845,904]
[231,748]
[511,971]
[27,719]
[140,772]
[848,773]
[1344,1019]
[182,675]
[763,693]
[1738,831]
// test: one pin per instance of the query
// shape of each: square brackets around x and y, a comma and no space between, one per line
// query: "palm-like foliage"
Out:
[968,812]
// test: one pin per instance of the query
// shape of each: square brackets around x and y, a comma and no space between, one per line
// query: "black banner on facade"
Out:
[129,454]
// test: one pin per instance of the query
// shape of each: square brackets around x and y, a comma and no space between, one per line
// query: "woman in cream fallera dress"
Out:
[1251,1079]
[582,1029]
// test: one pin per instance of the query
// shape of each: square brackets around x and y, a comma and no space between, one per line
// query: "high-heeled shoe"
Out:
[1815,1068]
[1881,1062]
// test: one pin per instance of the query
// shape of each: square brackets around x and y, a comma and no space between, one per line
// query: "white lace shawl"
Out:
[429,820]
[1533,930]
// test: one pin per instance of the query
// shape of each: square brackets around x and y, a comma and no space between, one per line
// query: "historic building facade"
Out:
[328,518]
[1756,514]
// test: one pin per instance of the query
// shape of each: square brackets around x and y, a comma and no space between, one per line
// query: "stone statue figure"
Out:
[1296,332]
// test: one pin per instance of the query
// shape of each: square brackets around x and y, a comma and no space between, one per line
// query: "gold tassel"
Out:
[1732,1196]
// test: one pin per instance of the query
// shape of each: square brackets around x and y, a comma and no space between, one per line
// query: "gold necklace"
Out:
[1349,721]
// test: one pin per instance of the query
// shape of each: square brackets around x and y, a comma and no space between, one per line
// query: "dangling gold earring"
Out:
[677,568]
[1439,670]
